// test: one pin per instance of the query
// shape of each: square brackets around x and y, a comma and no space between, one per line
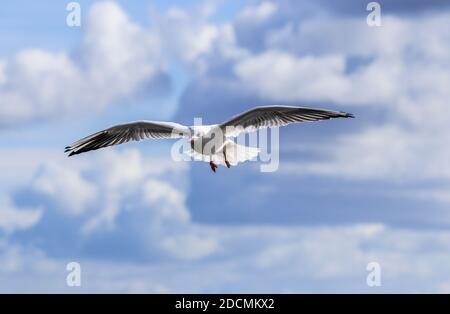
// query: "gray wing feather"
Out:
[275,116]
[123,133]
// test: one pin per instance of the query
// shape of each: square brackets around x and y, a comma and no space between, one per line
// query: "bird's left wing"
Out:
[133,131]
[273,116]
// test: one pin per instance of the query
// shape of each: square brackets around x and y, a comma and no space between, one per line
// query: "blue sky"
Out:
[347,193]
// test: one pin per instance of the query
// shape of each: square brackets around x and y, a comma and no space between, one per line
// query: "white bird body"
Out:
[207,136]
[211,143]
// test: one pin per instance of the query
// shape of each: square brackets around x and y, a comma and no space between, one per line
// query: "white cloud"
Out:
[278,75]
[403,76]
[375,153]
[384,152]
[254,259]
[66,187]
[111,183]
[348,36]
[114,59]
[17,167]
[117,54]
[170,200]
[186,36]
[2,72]
[257,13]
[191,246]
[406,76]
[12,218]
[440,195]
[104,183]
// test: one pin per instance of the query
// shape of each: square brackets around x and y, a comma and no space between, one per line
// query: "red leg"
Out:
[226,161]
[213,166]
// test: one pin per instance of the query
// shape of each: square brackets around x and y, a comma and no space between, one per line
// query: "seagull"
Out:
[210,143]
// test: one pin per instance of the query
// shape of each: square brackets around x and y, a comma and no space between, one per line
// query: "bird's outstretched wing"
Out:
[273,116]
[133,131]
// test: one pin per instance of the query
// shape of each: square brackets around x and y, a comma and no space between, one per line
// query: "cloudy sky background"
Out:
[347,193]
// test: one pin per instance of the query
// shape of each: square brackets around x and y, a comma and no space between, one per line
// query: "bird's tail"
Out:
[239,153]
[235,153]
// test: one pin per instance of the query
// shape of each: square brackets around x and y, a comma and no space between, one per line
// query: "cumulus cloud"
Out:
[13,218]
[406,82]
[111,194]
[115,58]
[17,167]
[391,70]
[2,72]
[66,187]
[388,152]
[378,152]
[180,27]
[193,246]
[276,75]
[121,205]
[392,78]
[170,200]
[190,37]
[258,12]
[255,258]
[102,185]
[316,65]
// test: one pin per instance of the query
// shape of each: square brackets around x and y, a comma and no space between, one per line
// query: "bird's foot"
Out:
[227,163]
[213,166]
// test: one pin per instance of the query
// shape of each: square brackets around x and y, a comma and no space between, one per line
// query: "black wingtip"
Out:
[69,150]
[348,115]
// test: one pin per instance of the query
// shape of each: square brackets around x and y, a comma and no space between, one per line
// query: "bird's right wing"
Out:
[123,133]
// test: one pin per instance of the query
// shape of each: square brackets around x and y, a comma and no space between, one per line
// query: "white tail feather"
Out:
[235,154]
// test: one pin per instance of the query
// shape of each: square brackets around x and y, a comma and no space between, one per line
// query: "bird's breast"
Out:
[208,145]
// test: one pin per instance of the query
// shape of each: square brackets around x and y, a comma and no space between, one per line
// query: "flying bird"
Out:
[210,143]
